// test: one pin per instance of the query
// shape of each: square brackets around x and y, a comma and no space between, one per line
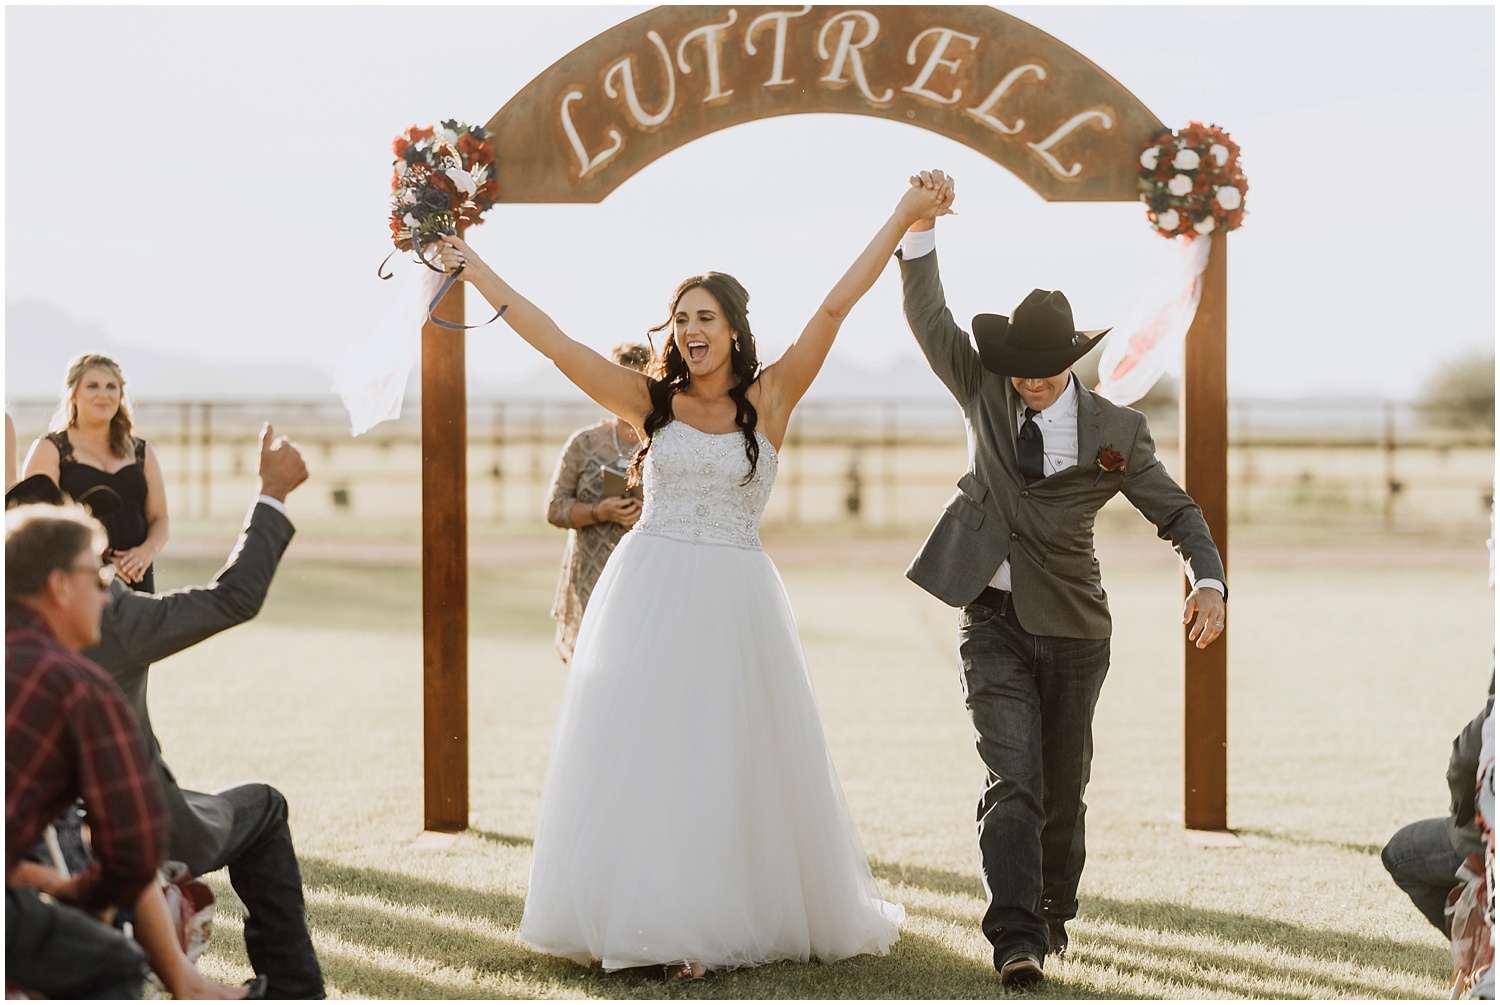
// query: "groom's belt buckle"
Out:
[996,600]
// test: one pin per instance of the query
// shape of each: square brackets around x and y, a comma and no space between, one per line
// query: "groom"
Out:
[1014,549]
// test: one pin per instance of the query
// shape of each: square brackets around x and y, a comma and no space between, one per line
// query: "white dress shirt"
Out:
[917,243]
[1059,425]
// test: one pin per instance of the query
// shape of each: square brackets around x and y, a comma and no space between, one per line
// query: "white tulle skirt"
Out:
[691,810]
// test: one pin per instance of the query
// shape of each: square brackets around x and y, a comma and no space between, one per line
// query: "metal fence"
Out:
[878,463]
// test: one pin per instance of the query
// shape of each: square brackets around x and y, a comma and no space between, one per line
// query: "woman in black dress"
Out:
[91,444]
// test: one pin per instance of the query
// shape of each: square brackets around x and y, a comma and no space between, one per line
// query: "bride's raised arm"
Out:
[617,388]
[784,382]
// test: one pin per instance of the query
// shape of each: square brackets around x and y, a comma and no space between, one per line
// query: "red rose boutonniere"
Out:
[1109,459]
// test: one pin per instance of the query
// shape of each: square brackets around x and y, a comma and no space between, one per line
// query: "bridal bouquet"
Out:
[444,181]
[1191,181]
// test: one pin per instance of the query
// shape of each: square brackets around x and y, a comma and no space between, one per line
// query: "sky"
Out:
[214,181]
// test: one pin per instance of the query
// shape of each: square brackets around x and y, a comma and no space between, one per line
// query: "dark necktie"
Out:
[1029,448]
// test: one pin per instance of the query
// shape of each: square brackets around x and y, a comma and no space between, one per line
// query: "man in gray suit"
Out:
[1014,549]
[243,827]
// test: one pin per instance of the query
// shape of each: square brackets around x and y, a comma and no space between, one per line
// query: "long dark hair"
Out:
[670,375]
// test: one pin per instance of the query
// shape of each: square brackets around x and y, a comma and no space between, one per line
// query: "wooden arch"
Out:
[669,76]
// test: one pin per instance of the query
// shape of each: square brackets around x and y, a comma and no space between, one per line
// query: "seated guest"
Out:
[154,922]
[155,929]
[243,828]
[71,734]
[1423,857]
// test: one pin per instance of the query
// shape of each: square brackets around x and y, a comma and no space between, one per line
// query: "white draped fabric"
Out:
[371,378]
[1148,343]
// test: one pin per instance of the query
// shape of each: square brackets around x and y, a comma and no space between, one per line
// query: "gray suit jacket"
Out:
[138,629]
[1045,529]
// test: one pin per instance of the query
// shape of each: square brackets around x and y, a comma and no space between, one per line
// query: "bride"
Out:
[691,816]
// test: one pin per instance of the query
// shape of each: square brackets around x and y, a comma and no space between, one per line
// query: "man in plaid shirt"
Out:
[70,733]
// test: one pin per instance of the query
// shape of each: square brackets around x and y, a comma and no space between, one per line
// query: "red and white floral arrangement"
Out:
[444,180]
[1191,181]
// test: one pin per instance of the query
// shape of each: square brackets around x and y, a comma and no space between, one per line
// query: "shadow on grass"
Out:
[427,939]
[1320,943]
[1306,841]
[436,939]
[495,837]
[1149,917]
[936,880]
[402,890]
[1235,976]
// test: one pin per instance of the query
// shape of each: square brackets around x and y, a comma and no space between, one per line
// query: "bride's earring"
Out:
[736,341]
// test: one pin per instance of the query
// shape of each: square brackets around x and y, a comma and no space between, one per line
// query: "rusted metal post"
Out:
[445,574]
[1205,470]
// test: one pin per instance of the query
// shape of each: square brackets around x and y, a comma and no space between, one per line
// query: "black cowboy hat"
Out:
[1037,340]
[101,500]
[36,489]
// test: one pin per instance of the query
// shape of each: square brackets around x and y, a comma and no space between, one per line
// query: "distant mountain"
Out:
[40,340]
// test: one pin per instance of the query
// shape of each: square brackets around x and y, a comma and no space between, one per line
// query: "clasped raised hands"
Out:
[930,196]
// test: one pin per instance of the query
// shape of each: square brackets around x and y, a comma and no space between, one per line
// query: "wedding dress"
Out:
[691,810]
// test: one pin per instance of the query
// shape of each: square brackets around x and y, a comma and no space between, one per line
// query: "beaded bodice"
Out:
[693,491]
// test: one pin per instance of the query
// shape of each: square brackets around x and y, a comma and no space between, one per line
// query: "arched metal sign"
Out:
[673,74]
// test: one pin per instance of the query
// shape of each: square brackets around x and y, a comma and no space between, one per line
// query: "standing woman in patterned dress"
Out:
[576,503]
[91,445]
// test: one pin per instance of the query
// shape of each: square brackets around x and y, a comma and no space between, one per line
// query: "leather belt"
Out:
[996,600]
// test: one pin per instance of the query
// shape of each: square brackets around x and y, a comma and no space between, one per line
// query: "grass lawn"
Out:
[1351,671]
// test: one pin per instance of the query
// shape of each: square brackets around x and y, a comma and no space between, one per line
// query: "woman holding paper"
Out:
[596,515]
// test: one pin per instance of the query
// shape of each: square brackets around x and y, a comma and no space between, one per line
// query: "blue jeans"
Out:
[263,871]
[1421,859]
[1031,698]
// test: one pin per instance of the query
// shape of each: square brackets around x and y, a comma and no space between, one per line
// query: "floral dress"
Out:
[578,479]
